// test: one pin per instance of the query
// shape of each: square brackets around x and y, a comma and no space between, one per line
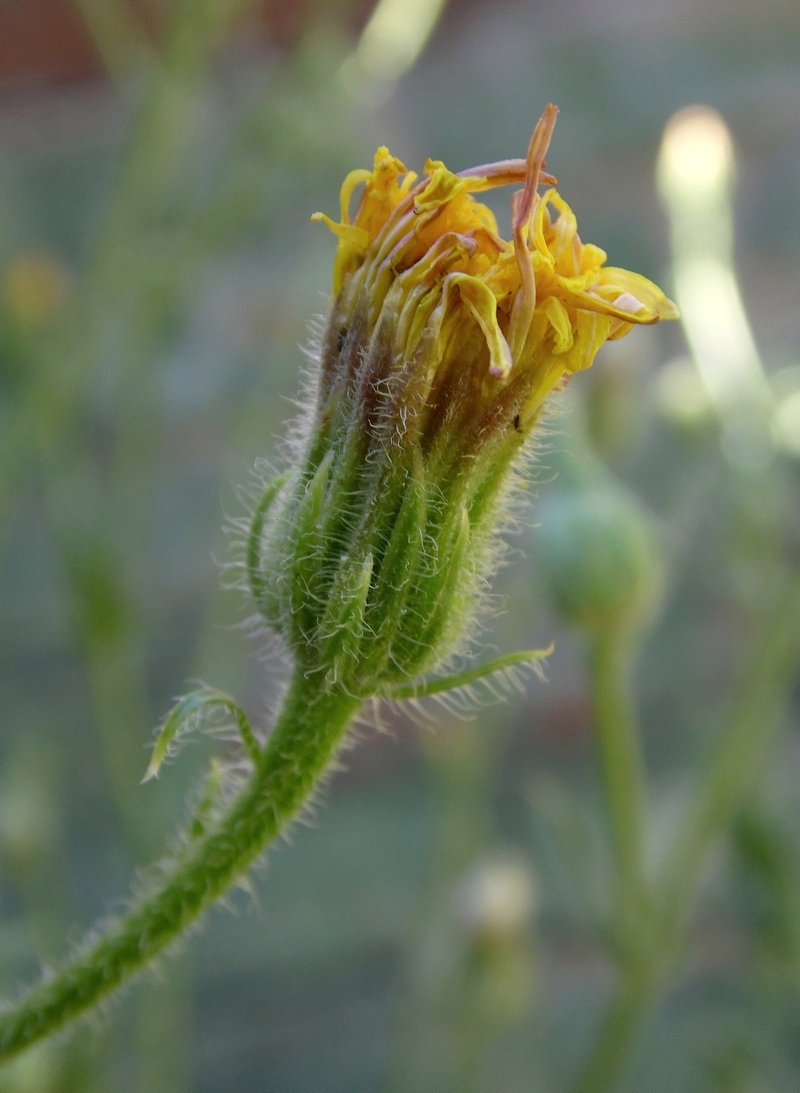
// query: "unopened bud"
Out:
[599,558]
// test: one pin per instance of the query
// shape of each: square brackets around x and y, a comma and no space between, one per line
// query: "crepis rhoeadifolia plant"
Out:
[368,551]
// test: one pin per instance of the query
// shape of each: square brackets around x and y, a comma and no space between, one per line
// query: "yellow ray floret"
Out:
[543,300]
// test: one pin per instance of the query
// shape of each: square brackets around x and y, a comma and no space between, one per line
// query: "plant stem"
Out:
[624,779]
[739,756]
[118,38]
[742,750]
[623,776]
[635,991]
[309,729]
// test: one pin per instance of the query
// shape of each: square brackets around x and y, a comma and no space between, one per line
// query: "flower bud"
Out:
[600,559]
[497,899]
[442,343]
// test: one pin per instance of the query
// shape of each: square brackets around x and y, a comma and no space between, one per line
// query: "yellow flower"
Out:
[427,258]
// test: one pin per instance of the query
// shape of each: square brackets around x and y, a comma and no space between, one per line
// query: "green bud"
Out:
[599,558]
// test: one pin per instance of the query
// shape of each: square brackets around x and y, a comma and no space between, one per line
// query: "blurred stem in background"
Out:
[695,174]
[66,359]
[62,361]
[593,549]
[759,415]
[390,44]
[741,753]
[123,46]
[603,571]
[469,970]
[619,745]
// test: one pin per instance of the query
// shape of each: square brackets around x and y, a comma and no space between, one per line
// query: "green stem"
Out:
[741,752]
[310,727]
[623,775]
[118,38]
[635,992]
[740,755]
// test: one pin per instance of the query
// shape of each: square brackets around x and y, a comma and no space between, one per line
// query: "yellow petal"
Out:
[560,321]
[355,178]
[482,303]
[442,186]
[591,331]
[348,233]
[565,246]
[592,257]
[620,282]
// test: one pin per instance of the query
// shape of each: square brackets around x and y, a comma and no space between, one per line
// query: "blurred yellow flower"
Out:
[34,288]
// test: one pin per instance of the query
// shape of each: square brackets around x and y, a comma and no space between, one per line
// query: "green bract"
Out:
[371,553]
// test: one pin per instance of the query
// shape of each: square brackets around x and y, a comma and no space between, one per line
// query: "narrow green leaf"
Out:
[191,706]
[463,679]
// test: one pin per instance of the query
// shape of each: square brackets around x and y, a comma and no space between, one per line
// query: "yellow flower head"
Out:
[425,260]
[442,341]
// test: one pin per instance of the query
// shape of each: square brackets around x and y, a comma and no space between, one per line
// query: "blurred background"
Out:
[446,920]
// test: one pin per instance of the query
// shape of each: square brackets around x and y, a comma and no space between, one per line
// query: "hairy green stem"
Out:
[309,729]
[623,776]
